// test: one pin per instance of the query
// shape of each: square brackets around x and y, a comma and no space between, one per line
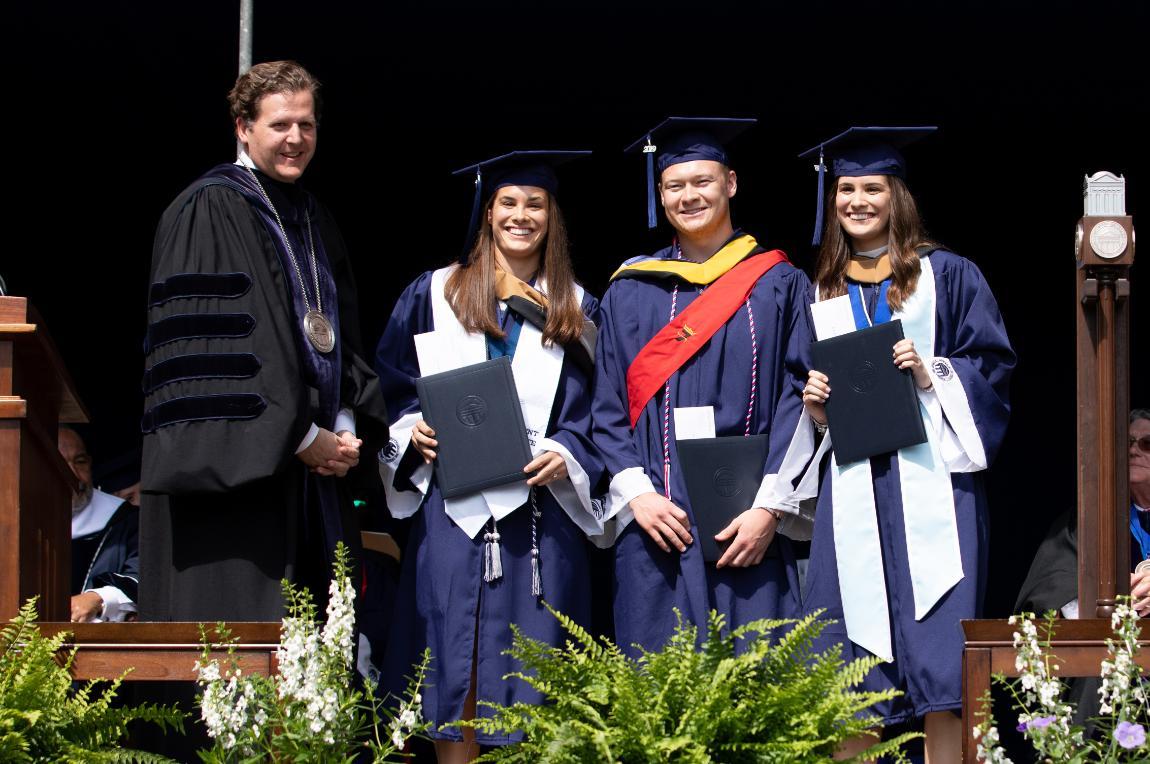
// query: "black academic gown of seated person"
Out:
[1052,581]
[105,553]
[233,386]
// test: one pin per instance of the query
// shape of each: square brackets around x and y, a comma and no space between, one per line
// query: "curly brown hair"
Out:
[266,79]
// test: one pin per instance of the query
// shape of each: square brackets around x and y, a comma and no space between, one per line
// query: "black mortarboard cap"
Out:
[685,139]
[859,151]
[517,168]
[119,472]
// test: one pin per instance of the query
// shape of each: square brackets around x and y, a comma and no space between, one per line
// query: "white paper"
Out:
[434,353]
[833,317]
[693,422]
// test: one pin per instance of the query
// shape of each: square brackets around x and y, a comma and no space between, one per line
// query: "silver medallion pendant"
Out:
[319,331]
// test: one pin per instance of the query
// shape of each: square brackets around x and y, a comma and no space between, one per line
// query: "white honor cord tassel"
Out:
[492,563]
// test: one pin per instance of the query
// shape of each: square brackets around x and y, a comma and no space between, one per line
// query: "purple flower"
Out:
[1129,735]
[1037,724]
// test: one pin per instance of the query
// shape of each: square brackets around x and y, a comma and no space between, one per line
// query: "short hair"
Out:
[1139,414]
[269,78]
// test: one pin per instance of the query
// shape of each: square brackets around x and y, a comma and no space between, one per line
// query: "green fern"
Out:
[43,717]
[757,693]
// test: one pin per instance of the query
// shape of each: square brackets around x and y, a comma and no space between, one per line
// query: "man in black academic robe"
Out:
[257,400]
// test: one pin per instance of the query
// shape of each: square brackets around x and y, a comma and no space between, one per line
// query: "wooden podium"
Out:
[36,394]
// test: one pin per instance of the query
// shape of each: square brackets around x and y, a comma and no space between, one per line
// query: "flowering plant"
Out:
[1045,720]
[311,710]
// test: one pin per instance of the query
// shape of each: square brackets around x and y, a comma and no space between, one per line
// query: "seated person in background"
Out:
[105,543]
[120,476]
[1052,583]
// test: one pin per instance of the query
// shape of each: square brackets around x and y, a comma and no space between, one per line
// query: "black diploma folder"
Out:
[475,413]
[873,407]
[722,475]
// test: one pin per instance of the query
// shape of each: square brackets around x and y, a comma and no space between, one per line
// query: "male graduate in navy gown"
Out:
[705,338]
[258,402]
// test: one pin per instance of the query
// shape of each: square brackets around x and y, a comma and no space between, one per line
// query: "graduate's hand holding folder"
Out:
[722,475]
[473,427]
[876,371]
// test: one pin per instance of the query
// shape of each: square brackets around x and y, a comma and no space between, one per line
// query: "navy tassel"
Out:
[649,150]
[817,239]
[473,226]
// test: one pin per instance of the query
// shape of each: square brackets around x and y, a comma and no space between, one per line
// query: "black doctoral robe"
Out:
[109,556]
[232,388]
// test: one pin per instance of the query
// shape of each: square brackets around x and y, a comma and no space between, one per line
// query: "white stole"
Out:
[928,510]
[536,368]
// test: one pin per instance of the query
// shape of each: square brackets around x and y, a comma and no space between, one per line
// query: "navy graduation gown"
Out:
[650,583]
[927,663]
[443,602]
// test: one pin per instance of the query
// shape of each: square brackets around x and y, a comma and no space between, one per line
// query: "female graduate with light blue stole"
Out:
[900,541]
[476,564]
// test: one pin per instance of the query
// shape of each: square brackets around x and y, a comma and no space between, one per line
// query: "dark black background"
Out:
[116,106]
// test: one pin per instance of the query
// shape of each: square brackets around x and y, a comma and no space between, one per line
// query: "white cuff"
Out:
[312,434]
[117,606]
[956,408]
[402,503]
[801,463]
[1070,609]
[949,446]
[574,493]
[626,485]
[345,420]
[769,498]
[793,523]
[799,526]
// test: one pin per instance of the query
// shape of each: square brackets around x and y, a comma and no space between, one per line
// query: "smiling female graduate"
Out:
[476,564]
[900,542]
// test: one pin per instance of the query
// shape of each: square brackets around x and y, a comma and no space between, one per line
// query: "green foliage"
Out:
[44,718]
[757,693]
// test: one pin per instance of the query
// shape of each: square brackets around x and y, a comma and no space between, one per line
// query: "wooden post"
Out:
[1106,513]
[1104,253]
[36,393]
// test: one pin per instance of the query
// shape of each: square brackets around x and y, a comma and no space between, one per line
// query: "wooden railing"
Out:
[1079,644]
[158,652]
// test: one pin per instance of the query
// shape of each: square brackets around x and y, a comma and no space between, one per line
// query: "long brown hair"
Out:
[470,289]
[906,233]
